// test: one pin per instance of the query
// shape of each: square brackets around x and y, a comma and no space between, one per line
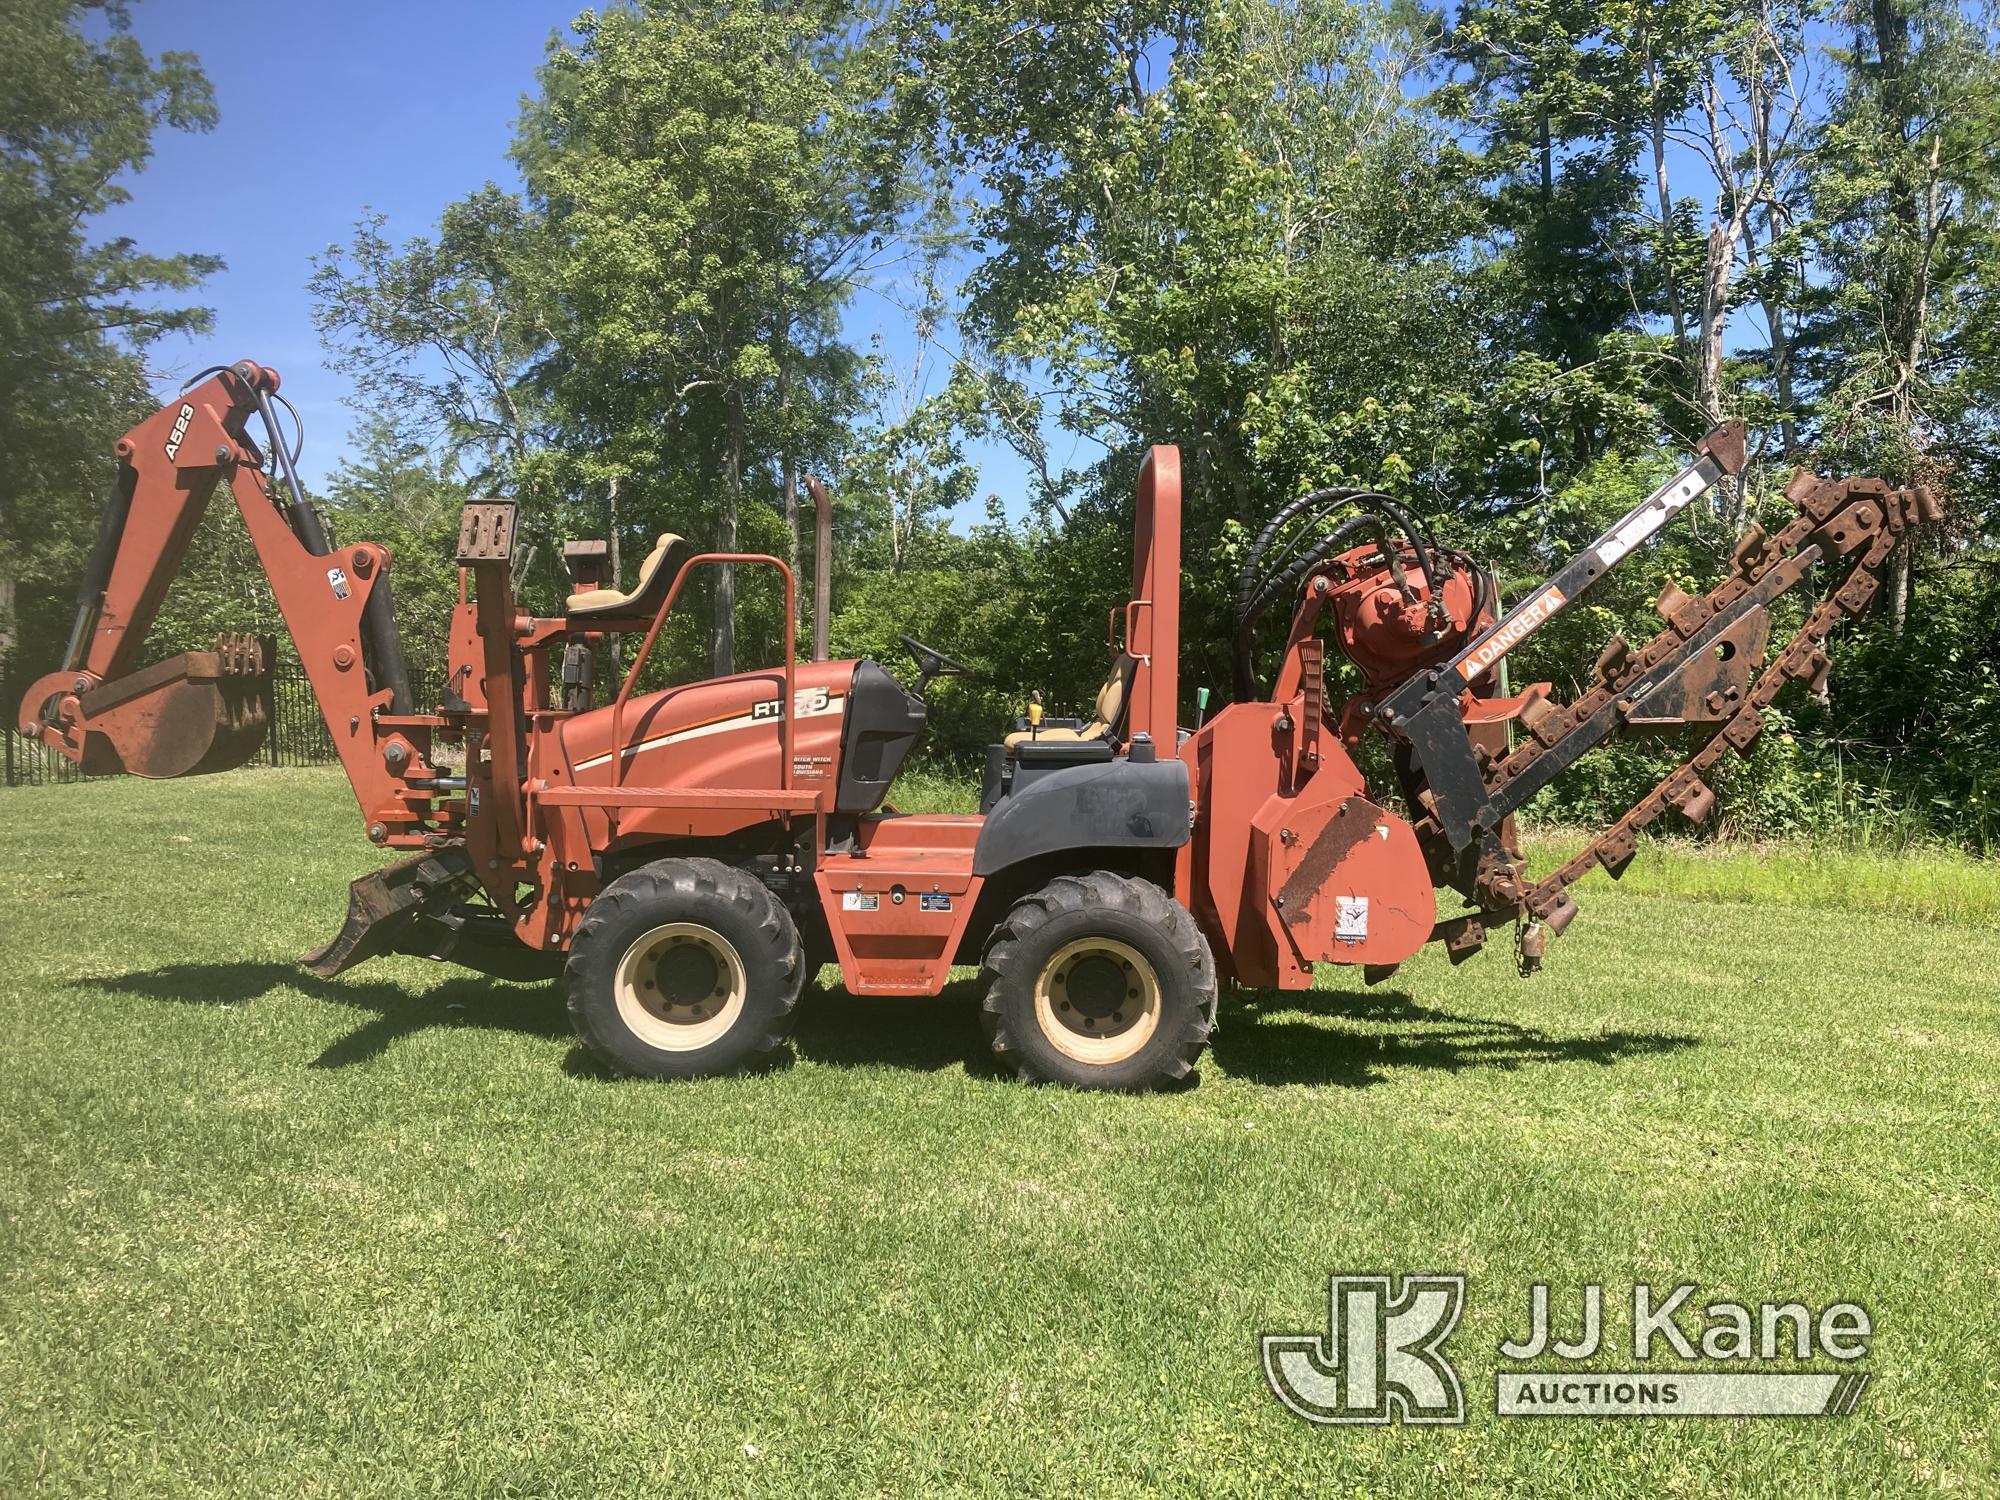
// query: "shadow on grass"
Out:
[491,1004]
[1261,1038]
[925,1033]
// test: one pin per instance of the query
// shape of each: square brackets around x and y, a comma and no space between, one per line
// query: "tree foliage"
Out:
[79,103]
[1506,260]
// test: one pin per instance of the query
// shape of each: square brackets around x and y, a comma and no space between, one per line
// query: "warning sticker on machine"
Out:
[1513,630]
[860,901]
[1350,919]
[935,901]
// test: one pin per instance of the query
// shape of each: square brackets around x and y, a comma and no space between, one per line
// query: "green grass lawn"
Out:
[263,1235]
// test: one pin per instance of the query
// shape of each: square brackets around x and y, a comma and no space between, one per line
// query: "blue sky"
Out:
[326,108]
[329,109]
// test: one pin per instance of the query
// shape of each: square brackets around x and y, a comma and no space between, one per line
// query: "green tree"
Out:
[1224,226]
[712,180]
[79,103]
[1907,180]
[438,336]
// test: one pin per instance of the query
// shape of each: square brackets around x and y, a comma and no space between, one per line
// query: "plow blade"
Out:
[189,715]
[415,906]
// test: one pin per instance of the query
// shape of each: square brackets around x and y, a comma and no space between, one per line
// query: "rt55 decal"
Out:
[805,701]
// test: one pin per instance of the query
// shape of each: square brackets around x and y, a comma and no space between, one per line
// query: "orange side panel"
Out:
[1349,885]
[899,903]
[1237,767]
[724,734]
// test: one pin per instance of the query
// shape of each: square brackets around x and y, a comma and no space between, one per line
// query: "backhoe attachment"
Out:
[108,712]
[191,714]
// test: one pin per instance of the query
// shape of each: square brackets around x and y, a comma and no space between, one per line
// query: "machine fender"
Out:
[1349,881]
[1119,804]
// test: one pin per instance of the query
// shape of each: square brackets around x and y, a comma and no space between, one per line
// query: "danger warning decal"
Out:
[1515,629]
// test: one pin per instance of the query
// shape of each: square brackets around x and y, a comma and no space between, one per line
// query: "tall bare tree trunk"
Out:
[1716,273]
[789,465]
[1898,600]
[790,470]
[1905,297]
[614,644]
[1669,283]
[611,500]
[1781,370]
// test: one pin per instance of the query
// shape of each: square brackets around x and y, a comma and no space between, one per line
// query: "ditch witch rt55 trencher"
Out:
[683,857]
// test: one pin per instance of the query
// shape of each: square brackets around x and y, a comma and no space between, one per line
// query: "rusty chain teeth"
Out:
[1840,517]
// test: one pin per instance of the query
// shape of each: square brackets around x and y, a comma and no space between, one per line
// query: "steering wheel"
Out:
[931,663]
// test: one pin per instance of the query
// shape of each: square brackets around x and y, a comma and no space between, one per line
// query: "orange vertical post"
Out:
[1153,618]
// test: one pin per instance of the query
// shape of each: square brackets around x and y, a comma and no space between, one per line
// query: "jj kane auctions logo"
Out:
[1382,1357]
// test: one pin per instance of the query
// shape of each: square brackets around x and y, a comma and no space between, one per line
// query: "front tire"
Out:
[684,968]
[1099,981]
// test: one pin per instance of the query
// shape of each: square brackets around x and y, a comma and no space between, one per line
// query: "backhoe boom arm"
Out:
[206,710]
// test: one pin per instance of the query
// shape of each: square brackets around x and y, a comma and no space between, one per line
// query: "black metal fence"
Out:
[297,737]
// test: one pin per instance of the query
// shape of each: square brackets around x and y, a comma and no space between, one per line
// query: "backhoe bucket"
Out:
[191,714]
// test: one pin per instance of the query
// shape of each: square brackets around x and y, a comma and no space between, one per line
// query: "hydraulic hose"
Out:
[1289,579]
[1422,543]
[1293,563]
[1246,577]
[381,641]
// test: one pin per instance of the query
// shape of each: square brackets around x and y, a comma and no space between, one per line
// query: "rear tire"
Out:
[1098,981]
[684,968]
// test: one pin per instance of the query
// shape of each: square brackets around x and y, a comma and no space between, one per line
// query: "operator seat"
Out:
[656,575]
[1112,701]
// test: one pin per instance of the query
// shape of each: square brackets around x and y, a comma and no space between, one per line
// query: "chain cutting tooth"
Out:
[1875,517]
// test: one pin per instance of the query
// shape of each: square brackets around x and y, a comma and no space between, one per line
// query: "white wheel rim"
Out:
[664,995]
[1097,1000]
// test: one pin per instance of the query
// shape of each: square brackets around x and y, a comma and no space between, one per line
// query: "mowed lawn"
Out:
[263,1235]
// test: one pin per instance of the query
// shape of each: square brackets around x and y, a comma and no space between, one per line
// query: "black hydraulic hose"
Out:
[298,426]
[1301,553]
[1419,540]
[1422,543]
[1286,581]
[1336,540]
[381,642]
[305,520]
[1246,577]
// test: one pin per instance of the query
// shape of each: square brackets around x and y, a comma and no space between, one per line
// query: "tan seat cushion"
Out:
[1110,711]
[604,599]
[1095,731]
